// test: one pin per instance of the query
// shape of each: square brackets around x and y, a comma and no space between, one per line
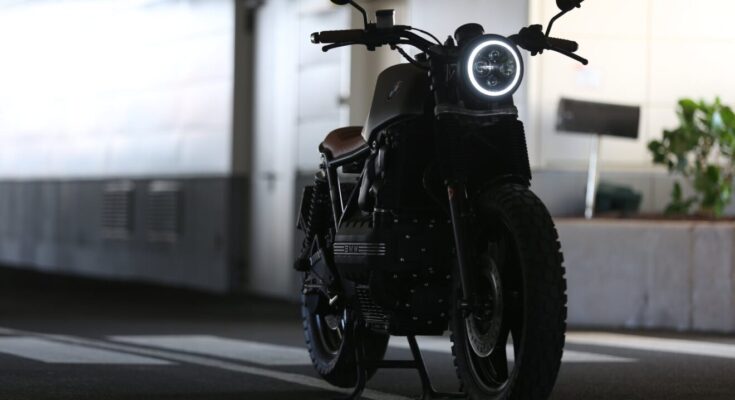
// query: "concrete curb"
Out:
[650,274]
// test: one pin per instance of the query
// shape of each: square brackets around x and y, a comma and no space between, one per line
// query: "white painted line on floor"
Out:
[426,343]
[661,345]
[5,331]
[288,377]
[63,353]
[572,356]
[240,350]
[443,345]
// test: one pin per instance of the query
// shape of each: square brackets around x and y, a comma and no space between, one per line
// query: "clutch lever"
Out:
[571,55]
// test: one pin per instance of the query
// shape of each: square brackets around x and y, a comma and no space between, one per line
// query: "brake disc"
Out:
[483,331]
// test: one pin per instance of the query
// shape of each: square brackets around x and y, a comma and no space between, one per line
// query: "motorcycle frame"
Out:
[331,169]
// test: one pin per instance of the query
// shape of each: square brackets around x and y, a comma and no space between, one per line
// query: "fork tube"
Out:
[457,195]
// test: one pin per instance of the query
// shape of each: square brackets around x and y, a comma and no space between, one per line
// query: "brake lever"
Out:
[569,54]
[337,45]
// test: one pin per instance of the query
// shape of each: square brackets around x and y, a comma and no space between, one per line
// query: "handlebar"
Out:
[563,44]
[371,37]
[530,38]
[347,35]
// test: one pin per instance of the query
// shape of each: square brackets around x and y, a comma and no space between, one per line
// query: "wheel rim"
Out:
[330,331]
[483,332]
[500,287]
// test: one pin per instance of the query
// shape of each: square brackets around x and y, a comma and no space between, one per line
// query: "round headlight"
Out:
[494,67]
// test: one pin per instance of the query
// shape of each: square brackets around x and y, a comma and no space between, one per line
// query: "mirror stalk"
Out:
[551,23]
[357,6]
[362,11]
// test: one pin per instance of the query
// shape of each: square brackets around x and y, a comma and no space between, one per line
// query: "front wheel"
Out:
[509,344]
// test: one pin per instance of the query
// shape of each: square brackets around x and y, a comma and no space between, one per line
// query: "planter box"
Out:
[650,274]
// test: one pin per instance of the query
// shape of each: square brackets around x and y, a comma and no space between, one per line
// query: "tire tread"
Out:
[545,287]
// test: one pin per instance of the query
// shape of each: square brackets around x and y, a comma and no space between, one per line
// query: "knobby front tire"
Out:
[534,301]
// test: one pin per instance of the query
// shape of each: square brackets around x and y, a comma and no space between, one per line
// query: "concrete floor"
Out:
[73,339]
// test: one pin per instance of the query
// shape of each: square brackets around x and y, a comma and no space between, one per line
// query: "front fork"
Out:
[460,214]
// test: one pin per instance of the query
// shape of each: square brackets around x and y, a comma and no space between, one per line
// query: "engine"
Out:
[400,269]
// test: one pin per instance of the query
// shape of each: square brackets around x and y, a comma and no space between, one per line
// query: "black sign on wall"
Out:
[598,118]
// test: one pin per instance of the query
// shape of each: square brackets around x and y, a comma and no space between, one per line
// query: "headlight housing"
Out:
[493,67]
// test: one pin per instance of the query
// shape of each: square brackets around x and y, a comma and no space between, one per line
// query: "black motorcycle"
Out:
[422,221]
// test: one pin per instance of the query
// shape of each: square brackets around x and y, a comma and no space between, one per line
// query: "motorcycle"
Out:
[422,221]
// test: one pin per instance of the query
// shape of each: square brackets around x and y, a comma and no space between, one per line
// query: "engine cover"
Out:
[401,269]
[395,244]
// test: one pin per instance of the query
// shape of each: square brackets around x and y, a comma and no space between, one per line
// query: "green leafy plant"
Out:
[702,151]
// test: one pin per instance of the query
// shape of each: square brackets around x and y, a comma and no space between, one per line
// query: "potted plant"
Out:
[702,151]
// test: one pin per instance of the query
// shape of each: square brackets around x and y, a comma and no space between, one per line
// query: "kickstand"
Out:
[429,393]
[359,364]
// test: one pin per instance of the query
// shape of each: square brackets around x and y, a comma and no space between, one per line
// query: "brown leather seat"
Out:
[342,142]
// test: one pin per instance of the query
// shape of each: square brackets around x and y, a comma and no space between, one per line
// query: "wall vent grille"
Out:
[118,210]
[165,209]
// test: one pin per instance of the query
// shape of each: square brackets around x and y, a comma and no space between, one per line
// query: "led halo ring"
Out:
[491,40]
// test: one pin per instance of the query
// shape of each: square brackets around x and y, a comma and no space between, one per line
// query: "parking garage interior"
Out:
[152,160]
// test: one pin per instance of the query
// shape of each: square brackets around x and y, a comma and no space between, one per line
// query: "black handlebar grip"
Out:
[567,45]
[348,35]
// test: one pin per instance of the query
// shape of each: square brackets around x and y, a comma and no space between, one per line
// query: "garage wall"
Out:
[120,156]
[115,88]
[279,145]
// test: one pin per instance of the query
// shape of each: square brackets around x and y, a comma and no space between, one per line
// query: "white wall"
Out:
[113,87]
[296,105]
[275,149]
[642,52]
[323,101]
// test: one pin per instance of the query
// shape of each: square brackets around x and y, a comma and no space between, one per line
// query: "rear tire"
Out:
[525,253]
[333,355]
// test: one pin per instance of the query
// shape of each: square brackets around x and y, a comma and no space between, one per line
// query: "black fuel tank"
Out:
[402,92]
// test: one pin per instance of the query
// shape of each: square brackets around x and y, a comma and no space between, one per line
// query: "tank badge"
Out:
[395,90]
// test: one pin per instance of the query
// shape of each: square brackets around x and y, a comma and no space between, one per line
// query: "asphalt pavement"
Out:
[63,338]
